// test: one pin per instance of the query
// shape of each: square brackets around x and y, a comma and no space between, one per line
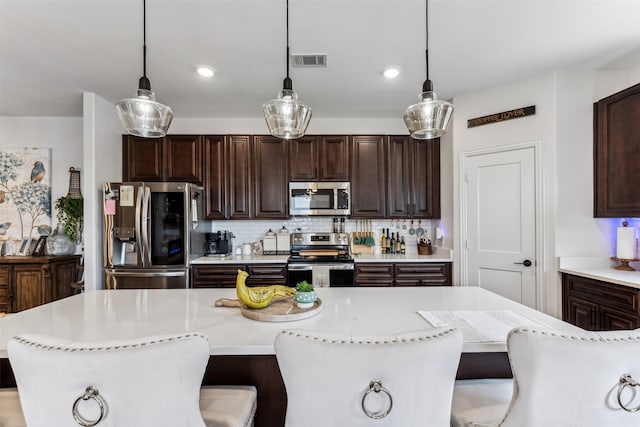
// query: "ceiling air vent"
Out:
[317,61]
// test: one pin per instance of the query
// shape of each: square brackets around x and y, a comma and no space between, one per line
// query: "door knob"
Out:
[526,263]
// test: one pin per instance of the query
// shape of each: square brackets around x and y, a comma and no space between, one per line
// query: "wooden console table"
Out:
[27,281]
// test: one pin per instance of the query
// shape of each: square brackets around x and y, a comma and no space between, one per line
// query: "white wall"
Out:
[103,162]
[62,134]
[538,91]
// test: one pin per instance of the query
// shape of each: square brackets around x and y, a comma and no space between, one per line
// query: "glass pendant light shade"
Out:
[143,116]
[429,118]
[286,117]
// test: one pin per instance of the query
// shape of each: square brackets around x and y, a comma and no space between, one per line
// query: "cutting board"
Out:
[280,310]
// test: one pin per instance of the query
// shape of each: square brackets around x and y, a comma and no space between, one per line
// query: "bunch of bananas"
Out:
[259,296]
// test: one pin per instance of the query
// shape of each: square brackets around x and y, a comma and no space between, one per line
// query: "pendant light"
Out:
[143,116]
[430,117]
[286,117]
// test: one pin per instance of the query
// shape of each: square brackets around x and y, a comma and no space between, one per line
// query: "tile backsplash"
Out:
[254,230]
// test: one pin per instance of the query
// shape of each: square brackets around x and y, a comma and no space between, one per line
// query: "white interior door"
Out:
[499,223]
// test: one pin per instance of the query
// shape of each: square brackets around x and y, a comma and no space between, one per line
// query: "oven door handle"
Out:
[299,267]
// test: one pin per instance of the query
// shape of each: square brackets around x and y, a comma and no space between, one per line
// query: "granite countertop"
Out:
[440,255]
[600,269]
[132,313]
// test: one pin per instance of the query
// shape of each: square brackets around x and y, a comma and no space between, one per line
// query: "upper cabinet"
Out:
[270,167]
[227,176]
[368,189]
[175,158]
[413,177]
[319,158]
[616,152]
[245,177]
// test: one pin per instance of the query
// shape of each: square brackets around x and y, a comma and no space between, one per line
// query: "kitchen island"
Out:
[242,349]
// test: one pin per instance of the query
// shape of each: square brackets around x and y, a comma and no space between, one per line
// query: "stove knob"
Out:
[297,239]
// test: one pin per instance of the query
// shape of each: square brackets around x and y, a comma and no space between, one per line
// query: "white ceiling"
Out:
[51,51]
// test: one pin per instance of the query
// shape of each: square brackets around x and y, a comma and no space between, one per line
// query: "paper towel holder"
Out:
[624,262]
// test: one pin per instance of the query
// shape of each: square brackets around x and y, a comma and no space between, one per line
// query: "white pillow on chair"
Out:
[146,382]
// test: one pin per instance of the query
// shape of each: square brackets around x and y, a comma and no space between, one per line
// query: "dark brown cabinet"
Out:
[27,282]
[267,274]
[368,189]
[403,274]
[245,177]
[270,185]
[319,158]
[215,275]
[413,177]
[616,154]
[227,177]
[373,274]
[176,158]
[224,275]
[423,274]
[599,306]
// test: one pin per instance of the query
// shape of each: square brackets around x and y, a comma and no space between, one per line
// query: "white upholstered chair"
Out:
[152,381]
[559,379]
[342,380]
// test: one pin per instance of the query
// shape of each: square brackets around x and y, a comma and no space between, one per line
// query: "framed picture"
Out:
[25,247]
[40,245]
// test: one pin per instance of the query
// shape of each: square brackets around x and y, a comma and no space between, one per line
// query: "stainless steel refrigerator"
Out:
[151,231]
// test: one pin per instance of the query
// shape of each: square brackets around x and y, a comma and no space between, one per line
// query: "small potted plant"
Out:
[305,296]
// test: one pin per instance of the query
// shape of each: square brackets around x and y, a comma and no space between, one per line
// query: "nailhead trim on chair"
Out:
[357,341]
[599,338]
[115,347]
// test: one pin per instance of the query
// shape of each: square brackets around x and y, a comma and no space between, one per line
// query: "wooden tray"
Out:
[280,310]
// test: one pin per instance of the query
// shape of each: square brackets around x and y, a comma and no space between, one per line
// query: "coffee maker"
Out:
[219,243]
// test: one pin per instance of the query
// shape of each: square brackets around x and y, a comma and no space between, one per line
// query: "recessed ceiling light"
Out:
[391,72]
[205,71]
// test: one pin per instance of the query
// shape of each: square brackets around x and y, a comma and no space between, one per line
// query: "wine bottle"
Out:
[392,243]
[383,242]
[403,247]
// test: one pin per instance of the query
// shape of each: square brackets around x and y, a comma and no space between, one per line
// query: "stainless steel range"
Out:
[320,258]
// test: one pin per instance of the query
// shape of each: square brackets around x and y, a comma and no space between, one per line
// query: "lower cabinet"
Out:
[373,274]
[27,282]
[224,275]
[595,305]
[403,274]
[365,274]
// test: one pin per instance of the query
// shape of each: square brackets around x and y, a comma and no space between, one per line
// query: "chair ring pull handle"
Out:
[627,380]
[376,386]
[90,393]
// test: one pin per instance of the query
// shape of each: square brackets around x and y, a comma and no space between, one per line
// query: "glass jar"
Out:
[59,243]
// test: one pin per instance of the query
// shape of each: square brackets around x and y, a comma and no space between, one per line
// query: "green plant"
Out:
[304,286]
[70,213]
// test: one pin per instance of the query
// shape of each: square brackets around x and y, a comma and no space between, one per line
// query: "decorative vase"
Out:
[305,299]
[59,243]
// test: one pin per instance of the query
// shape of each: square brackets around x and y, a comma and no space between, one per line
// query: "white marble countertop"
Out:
[242,259]
[600,269]
[440,255]
[108,315]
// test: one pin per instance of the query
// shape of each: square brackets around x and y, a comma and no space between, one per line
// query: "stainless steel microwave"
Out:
[320,198]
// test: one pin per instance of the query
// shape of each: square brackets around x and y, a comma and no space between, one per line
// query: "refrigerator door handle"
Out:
[148,274]
[139,240]
[146,262]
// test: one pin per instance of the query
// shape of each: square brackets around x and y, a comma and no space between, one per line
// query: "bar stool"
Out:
[152,381]
[341,380]
[560,378]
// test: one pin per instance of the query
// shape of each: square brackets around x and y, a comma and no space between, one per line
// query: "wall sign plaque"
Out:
[500,117]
